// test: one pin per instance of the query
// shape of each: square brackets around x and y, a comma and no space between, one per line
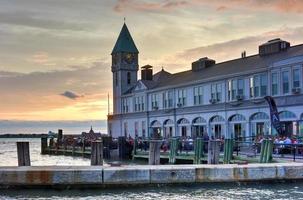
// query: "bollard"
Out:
[43,144]
[199,153]
[96,153]
[23,154]
[213,151]
[173,149]
[154,152]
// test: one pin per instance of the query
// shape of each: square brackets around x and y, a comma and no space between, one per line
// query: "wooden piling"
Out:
[97,153]
[173,150]
[228,150]
[23,154]
[154,152]
[213,151]
[43,144]
[199,153]
[122,147]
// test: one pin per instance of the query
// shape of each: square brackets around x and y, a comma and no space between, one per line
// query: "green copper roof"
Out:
[125,42]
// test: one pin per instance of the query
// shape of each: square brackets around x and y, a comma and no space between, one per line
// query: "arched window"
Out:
[216,118]
[198,121]
[183,121]
[259,116]
[168,122]
[128,78]
[236,118]
[287,115]
[155,124]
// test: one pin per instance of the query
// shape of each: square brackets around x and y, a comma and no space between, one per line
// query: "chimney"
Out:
[147,72]
[202,63]
[243,54]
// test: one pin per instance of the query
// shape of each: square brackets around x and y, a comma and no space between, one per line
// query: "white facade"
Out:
[228,105]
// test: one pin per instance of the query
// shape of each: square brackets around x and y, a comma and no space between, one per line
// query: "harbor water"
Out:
[8,157]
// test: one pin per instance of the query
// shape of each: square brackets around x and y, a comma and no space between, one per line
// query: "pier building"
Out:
[218,99]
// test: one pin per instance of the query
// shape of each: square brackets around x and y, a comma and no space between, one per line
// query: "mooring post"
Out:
[23,154]
[198,147]
[73,147]
[97,153]
[51,143]
[154,152]
[173,150]
[43,144]
[213,151]
[122,147]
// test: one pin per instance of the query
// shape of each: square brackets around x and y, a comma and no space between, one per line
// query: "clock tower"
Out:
[124,67]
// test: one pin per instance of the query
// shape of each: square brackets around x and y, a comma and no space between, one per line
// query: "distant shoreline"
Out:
[20,135]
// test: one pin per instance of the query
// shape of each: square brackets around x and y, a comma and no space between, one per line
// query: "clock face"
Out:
[129,58]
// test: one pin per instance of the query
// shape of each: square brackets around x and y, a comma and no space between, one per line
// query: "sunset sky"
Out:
[55,54]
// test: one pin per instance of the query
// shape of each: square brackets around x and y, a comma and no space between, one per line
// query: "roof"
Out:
[161,75]
[125,42]
[230,67]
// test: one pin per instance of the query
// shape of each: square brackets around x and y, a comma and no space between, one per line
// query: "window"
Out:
[198,95]
[128,78]
[139,104]
[154,100]
[168,99]
[296,78]
[258,85]
[125,105]
[182,97]
[235,88]
[274,83]
[216,92]
[285,82]
[142,103]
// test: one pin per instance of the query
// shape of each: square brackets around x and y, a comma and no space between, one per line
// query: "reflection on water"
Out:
[197,191]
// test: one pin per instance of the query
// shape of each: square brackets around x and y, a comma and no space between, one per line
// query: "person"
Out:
[287,141]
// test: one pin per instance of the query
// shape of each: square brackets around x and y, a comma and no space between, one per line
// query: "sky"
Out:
[55,54]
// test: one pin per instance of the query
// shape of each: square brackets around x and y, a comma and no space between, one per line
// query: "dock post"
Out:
[154,152]
[51,143]
[173,150]
[228,150]
[122,147]
[213,152]
[199,153]
[97,153]
[43,144]
[73,147]
[60,136]
[23,154]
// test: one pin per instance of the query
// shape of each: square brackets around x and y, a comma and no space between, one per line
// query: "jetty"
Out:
[65,177]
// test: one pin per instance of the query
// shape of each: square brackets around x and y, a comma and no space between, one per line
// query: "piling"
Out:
[23,154]
[97,153]
[228,150]
[213,151]
[122,147]
[173,150]
[154,152]
[266,151]
[199,153]
[60,136]
[43,144]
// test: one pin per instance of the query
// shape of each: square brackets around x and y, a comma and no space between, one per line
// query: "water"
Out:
[69,127]
[8,154]
[197,191]
[8,157]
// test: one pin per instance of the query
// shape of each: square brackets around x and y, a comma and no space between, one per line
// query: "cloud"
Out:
[164,6]
[71,95]
[288,6]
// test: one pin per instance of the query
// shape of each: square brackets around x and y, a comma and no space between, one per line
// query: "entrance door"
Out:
[183,131]
[218,129]
[238,131]
[260,128]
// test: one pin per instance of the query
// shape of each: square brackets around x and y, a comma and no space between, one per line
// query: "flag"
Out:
[274,114]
